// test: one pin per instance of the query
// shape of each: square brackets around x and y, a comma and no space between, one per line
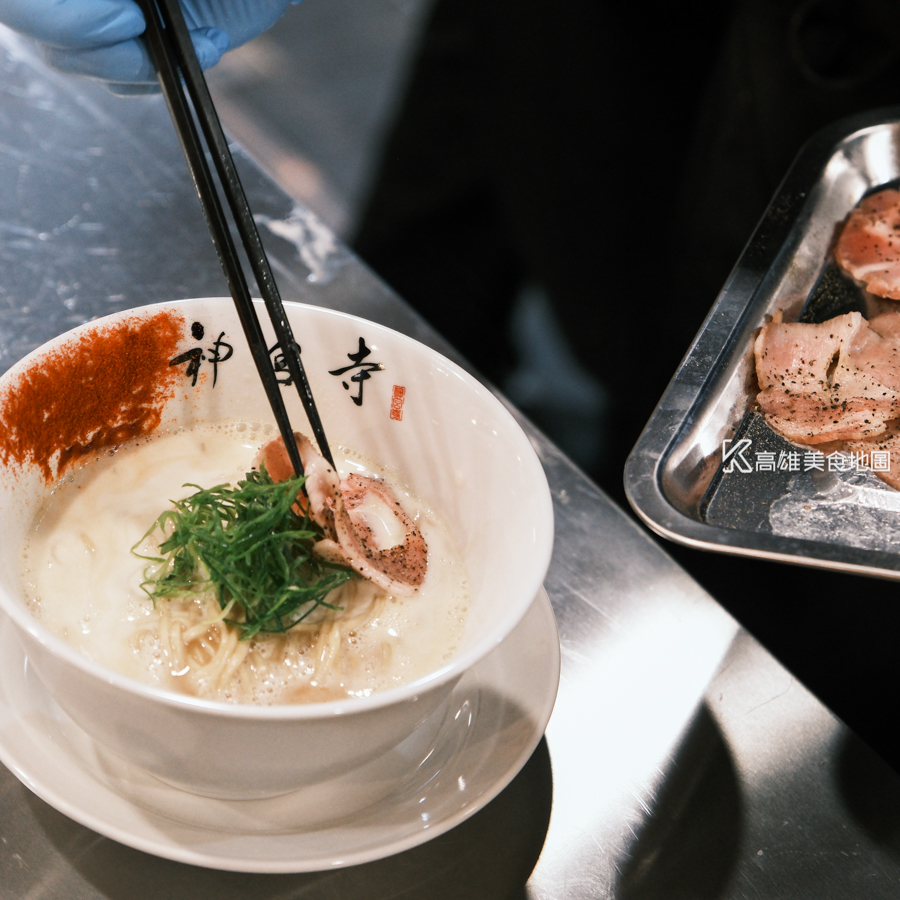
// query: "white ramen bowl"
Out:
[446,436]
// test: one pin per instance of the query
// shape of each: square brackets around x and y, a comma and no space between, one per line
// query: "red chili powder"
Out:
[93,392]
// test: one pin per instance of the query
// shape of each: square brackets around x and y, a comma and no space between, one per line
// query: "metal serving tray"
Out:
[774,500]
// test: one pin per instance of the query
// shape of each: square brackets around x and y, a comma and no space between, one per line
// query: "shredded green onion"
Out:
[251,547]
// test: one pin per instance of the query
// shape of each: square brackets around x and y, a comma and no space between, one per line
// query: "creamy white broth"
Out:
[84,583]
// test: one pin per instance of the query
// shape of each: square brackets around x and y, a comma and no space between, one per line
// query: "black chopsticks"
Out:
[173,52]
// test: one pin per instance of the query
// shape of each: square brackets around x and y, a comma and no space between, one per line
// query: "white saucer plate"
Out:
[420,789]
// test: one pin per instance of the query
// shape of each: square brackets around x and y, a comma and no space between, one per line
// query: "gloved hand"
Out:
[101,38]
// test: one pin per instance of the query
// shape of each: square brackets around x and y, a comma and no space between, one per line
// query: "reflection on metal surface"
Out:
[315,244]
[623,713]
[690,842]
[799,839]
[640,643]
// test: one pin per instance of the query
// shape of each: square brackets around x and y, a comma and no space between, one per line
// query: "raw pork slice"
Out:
[887,325]
[834,381]
[869,245]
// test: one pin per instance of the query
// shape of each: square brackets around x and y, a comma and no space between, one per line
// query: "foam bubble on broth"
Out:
[83,583]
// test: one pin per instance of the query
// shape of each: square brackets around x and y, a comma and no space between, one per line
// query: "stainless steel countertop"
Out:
[684,761]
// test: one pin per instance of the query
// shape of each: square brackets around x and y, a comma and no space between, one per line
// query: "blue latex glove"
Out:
[101,38]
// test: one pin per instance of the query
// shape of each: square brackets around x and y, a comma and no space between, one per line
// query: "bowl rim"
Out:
[544,534]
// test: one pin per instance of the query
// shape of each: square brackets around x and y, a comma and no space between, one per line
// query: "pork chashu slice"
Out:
[363,523]
[869,244]
[833,381]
